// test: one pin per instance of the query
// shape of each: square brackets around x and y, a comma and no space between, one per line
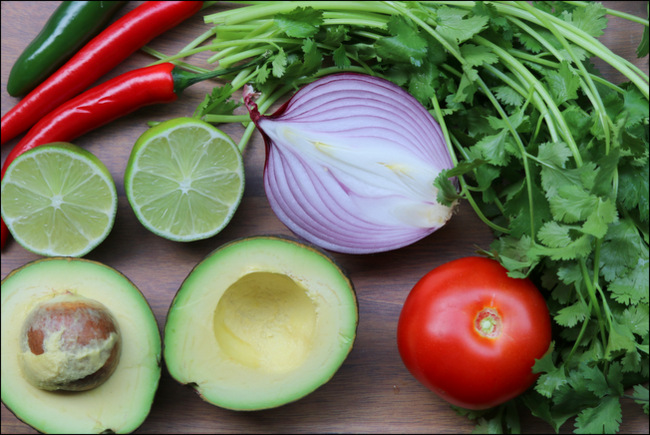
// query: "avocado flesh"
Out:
[259,323]
[265,321]
[124,400]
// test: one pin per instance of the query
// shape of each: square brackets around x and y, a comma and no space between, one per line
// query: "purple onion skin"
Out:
[350,163]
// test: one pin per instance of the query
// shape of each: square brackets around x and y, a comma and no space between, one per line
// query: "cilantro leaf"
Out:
[554,234]
[516,254]
[447,192]
[262,74]
[636,107]
[420,84]
[530,43]
[454,25]
[217,103]
[477,55]
[620,338]
[633,189]
[551,377]
[603,418]
[596,381]
[571,315]
[621,249]
[635,318]
[492,148]
[590,19]
[554,153]
[333,35]
[313,58]
[405,45]
[601,215]
[576,249]
[340,57]
[507,95]
[563,83]
[279,63]
[630,286]
[302,22]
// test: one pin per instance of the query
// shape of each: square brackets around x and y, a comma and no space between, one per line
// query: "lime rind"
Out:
[58,200]
[184,179]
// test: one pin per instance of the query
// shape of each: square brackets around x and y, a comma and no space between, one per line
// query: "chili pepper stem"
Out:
[184,79]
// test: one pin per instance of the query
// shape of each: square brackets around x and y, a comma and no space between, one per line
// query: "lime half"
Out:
[184,179]
[58,200]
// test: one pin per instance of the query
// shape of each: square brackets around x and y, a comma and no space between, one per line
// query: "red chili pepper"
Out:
[106,102]
[99,56]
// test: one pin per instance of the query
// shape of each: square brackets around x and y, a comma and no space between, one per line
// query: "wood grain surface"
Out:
[372,392]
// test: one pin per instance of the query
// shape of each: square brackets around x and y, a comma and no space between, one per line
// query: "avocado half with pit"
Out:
[260,322]
[81,348]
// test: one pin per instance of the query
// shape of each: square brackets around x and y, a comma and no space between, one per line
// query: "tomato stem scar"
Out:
[488,323]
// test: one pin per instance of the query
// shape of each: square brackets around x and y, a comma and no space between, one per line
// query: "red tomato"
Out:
[471,334]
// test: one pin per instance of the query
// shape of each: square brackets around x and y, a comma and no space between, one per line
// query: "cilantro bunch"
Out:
[550,155]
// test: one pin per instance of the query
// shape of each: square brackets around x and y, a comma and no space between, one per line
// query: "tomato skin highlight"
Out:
[471,334]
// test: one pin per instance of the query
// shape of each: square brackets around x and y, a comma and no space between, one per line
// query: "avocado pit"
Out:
[70,343]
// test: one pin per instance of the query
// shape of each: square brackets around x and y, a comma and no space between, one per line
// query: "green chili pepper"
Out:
[69,28]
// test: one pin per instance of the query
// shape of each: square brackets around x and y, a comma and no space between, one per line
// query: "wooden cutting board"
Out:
[372,392]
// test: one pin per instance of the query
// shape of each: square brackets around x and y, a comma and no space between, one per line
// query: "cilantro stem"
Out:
[555,65]
[613,12]
[522,150]
[354,19]
[592,296]
[253,52]
[589,89]
[582,39]
[223,119]
[585,323]
[447,46]
[270,9]
[466,192]
[443,126]
[247,41]
[528,94]
[526,75]
[163,58]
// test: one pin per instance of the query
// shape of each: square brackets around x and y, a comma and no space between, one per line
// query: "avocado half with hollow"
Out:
[80,348]
[260,322]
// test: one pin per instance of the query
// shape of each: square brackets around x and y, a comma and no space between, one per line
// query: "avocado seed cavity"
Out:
[69,343]
[266,321]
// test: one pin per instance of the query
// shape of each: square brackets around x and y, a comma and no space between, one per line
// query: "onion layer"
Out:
[351,162]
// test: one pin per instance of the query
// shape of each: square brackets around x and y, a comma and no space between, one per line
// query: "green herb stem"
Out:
[613,12]
[270,9]
[173,59]
[590,88]
[224,119]
[584,40]
[585,323]
[526,75]
[591,291]
[554,66]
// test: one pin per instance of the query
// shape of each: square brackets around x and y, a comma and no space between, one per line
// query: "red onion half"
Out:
[350,164]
